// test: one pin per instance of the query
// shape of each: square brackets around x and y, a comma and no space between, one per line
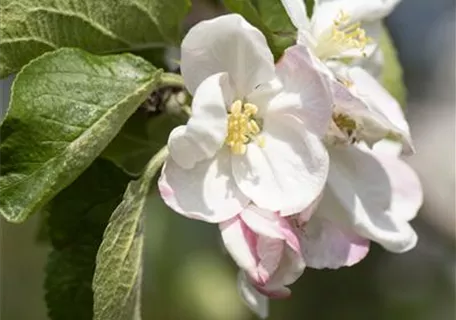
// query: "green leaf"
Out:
[29,28]
[117,279]
[275,17]
[392,77]
[270,17]
[66,107]
[77,218]
[310,6]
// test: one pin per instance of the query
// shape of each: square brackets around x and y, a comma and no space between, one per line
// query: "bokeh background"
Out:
[188,276]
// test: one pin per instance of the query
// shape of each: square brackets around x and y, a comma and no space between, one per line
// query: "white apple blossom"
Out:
[340,29]
[343,35]
[254,134]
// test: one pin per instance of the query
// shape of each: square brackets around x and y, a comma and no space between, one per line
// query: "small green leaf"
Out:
[66,107]
[275,17]
[310,4]
[391,76]
[117,279]
[148,129]
[28,28]
[77,218]
[138,141]
[270,18]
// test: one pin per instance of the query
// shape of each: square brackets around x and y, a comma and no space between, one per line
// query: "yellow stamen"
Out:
[347,126]
[346,82]
[242,127]
[343,36]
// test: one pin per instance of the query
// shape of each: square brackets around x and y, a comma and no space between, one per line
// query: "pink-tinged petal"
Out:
[270,253]
[207,192]
[288,173]
[305,215]
[258,303]
[290,237]
[290,269]
[274,293]
[206,130]
[324,245]
[226,44]
[306,94]
[270,224]
[263,222]
[363,196]
[380,101]
[241,243]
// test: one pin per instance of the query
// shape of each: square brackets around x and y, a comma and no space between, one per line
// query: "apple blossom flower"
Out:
[343,35]
[272,251]
[265,246]
[340,29]
[254,133]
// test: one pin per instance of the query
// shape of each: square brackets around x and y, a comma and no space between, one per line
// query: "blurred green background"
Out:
[188,276]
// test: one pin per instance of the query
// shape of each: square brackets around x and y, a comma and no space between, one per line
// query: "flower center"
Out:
[347,130]
[242,127]
[341,37]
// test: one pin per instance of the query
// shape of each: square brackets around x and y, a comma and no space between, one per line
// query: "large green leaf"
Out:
[77,218]
[28,28]
[270,17]
[66,107]
[117,279]
[391,76]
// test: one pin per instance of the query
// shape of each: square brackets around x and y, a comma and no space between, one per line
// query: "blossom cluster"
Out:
[297,162]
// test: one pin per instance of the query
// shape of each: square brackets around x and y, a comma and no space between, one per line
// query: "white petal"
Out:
[306,94]
[324,245]
[264,94]
[226,44]
[287,174]
[241,243]
[363,196]
[257,302]
[380,101]
[207,192]
[407,195]
[206,130]
[296,10]
[385,147]
[373,64]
